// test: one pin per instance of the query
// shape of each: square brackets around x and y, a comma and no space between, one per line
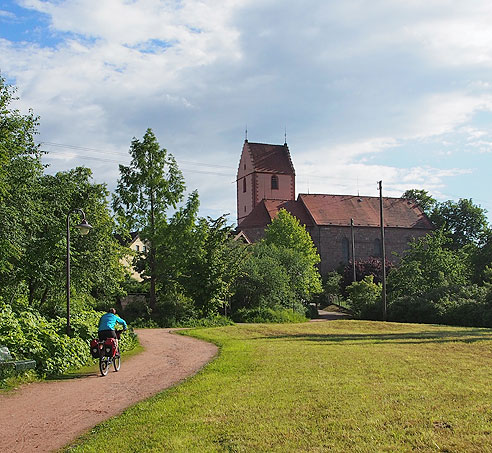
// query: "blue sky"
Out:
[367,90]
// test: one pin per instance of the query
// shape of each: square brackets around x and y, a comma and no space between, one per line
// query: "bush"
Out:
[365,298]
[28,335]
[268,315]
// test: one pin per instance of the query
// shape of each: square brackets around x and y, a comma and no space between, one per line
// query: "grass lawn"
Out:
[341,386]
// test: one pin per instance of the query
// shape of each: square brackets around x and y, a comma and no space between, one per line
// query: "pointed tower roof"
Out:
[270,158]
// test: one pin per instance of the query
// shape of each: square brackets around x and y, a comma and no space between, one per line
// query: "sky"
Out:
[363,90]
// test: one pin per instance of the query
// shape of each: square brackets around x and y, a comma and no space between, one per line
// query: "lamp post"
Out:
[84,228]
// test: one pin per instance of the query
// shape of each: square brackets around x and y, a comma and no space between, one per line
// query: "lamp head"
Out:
[84,227]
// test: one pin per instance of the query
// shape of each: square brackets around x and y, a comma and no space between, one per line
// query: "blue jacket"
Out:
[108,321]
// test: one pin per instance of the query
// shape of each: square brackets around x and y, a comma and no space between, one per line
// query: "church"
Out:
[266,183]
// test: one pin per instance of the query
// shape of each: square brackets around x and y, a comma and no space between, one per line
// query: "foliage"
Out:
[28,335]
[365,298]
[20,171]
[147,188]
[263,281]
[422,198]
[363,268]
[428,265]
[286,231]
[95,258]
[465,222]
[267,315]
[332,290]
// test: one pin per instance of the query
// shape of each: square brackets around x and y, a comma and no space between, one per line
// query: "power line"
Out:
[83,148]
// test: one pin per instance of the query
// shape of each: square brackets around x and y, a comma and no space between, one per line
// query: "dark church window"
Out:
[345,250]
[377,248]
[244,184]
[274,182]
[245,166]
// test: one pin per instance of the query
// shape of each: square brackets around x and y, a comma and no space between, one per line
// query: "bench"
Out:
[8,363]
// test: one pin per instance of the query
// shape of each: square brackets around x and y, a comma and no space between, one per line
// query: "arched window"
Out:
[244,184]
[274,182]
[377,248]
[345,250]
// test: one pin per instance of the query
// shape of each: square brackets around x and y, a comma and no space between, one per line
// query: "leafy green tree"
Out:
[465,222]
[428,265]
[147,188]
[422,198]
[263,282]
[96,271]
[364,296]
[286,231]
[20,171]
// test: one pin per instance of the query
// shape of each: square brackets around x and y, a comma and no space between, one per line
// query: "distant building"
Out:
[266,184]
[138,247]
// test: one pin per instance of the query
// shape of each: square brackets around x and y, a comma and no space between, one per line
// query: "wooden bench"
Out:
[8,363]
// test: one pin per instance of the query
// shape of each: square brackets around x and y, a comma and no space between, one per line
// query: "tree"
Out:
[20,172]
[95,259]
[429,265]
[286,231]
[147,188]
[465,222]
[422,198]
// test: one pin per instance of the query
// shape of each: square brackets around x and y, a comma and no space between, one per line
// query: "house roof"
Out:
[128,239]
[270,158]
[339,209]
[264,212]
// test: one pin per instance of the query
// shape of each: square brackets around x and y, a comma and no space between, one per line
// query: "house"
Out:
[266,184]
[137,246]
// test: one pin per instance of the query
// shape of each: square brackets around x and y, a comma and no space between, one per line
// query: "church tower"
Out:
[265,172]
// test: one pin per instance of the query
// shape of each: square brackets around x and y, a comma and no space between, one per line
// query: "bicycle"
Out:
[109,354]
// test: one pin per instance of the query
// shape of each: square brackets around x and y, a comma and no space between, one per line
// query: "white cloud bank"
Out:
[354,82]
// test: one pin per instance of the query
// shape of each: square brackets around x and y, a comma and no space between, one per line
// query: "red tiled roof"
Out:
[339,209]
[271,158]
[264,212]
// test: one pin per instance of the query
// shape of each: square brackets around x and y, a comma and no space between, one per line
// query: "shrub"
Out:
[364,298]
[28,335]
[268,315]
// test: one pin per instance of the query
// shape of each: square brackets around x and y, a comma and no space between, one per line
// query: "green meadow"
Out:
[341,386]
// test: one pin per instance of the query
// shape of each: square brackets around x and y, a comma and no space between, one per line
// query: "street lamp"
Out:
[84,228]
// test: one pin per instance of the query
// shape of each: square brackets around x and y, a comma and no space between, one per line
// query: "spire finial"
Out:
[246,134]
[285,136]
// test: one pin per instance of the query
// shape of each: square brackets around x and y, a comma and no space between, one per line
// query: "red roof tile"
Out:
[264,212]
[339,209]
[271,158]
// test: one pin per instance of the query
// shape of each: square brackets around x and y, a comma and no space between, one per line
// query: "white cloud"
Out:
[350,80]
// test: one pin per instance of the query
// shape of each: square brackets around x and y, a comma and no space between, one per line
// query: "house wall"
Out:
[136,246]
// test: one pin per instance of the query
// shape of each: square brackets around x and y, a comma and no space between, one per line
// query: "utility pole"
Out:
[354,278]
[383,249]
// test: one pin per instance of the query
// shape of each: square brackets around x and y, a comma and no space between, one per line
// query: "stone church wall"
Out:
[335,249]
[334,246]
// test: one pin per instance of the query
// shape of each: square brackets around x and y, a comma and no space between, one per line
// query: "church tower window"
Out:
[244,184]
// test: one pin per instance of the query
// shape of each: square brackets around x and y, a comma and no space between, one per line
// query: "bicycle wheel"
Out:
[117,362]
[104,366]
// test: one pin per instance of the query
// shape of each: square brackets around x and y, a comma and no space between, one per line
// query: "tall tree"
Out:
[20,172]
[422,198]
[285,232]
[465,222]
[147,188]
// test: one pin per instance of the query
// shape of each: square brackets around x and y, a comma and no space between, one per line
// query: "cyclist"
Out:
[107,324]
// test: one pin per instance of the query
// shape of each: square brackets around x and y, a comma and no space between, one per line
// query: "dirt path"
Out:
[46,416]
